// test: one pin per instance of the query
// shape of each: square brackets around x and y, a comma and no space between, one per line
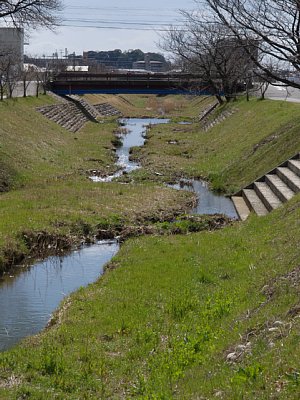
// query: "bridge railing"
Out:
[131,82]
[130,76]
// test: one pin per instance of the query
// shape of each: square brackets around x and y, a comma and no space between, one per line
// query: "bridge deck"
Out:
[129,83]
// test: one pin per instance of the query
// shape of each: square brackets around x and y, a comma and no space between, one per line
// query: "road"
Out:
[277,92]
[19,91]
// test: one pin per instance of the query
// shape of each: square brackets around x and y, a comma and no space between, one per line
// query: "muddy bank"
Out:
[39,245]
[180,226]
[32,246]
[29,246]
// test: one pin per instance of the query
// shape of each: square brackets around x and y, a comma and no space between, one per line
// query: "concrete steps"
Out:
[65,114]
[208,124]
[91,112]
[71,112]
[107,110]
[253,202]
[270,191]
[241,206]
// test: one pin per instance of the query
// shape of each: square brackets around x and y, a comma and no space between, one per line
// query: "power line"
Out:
[120,15]
[120,11]
[117,28]
[149,23]
[131,21]
[126,9]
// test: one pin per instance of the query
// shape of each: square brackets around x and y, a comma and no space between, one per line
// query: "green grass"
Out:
[36,149]
[154,106]
[163,320]
[249,143]
[47,169]
[161,324]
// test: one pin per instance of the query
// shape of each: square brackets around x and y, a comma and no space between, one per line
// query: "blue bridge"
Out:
[66,83]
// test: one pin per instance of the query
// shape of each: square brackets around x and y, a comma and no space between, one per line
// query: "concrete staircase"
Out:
[66,115]
[107,110]
[207,124]
[90,111]
[70,112]
[207,111]
[270,191]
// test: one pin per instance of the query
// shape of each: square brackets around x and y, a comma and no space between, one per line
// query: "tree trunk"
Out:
[37,89]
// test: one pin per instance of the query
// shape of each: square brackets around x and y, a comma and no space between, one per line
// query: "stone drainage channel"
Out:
[29,296]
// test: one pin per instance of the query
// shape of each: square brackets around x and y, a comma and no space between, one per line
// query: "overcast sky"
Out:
[107,25]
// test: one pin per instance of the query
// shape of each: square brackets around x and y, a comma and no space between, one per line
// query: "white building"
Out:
[148,65]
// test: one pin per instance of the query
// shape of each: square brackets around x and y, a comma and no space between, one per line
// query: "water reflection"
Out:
[28,299]
[208,202]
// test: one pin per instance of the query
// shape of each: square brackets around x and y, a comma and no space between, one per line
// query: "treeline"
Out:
[122,59]
[233,42]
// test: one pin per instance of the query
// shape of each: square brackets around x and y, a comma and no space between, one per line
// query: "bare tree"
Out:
[30,12]
[42,78]
[272,27]
[38,81]
[210,50]
[10,68]
[3,66]
[27,76]
[13,75]
[2,85]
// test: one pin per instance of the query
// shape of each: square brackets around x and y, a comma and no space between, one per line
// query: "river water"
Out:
[135,136]
[208,202]
[28,296]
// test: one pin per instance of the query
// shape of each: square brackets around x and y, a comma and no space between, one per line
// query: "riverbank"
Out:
[253,138]
[49,193]
[211,314]
[177,316]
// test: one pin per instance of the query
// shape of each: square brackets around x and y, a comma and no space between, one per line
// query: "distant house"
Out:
[139,65]
[32,67]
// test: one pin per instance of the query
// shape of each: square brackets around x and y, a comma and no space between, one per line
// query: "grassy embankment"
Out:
[179,107]
[44,168]
[207,315]
[252,141]
[163,323]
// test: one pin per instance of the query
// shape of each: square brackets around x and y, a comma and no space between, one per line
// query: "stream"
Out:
[208,202]
[136,129]
[29,295]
